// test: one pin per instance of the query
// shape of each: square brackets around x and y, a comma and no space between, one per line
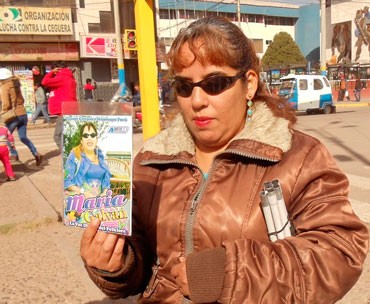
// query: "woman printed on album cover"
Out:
[85,171]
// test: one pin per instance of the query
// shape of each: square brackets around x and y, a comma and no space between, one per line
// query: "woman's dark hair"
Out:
[217,41]
[88,125]
[78,149]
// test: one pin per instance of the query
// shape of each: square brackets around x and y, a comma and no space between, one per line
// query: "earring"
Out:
[249,110]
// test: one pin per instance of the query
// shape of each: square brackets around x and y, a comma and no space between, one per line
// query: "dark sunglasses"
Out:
[212,85]
[86,135]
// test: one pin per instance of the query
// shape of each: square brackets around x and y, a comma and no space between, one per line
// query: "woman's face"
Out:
[89,139]
[215,120]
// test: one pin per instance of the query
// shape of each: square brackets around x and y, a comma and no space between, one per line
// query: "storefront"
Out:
[36,36]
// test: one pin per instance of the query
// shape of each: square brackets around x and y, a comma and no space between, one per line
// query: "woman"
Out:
[85,170]
[12,98]
[199,233]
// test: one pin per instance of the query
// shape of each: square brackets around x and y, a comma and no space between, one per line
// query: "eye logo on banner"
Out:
[131,40]
[10,14]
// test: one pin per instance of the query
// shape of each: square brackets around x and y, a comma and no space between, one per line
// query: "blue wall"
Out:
[308,30]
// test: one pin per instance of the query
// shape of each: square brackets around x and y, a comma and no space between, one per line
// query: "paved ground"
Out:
[39,257]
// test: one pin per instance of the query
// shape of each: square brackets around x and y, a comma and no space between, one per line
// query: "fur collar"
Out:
[264,127]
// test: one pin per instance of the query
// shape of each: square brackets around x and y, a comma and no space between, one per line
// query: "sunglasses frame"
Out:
[87,135]
[202,84]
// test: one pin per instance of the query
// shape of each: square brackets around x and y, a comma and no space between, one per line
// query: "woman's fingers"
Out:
[100,249]
[89,233]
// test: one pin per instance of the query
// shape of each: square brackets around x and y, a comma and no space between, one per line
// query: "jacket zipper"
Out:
[189,241]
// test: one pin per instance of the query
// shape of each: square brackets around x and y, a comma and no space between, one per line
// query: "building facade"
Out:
[82,33]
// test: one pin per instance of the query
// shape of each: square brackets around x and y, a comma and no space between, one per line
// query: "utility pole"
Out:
[145,30]
[238,12]
[117,26]
[323,38]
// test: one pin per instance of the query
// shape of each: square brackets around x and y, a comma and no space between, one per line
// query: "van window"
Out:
[327,82]
[303,84]
[317,84]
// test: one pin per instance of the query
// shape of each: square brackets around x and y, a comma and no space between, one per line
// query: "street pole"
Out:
[323,38]
[238,12]
[146,52]
[117,26]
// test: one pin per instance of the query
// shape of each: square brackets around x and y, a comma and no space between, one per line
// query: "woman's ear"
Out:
[252,83]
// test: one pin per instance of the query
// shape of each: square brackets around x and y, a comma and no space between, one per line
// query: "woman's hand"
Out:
[100,249]
[179,273]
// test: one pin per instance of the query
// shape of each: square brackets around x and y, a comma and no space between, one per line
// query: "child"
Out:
[88,89]
[5,137]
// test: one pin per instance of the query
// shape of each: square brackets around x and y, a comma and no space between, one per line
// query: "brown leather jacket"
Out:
[11,96]
[218,223]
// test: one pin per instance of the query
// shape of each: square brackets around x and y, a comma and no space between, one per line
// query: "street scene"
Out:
[40,259]
[133,118]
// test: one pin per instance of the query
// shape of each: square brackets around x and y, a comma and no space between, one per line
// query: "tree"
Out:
[283,51]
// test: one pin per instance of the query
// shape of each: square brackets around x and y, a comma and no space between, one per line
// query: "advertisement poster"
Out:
[26,79]
[97,165]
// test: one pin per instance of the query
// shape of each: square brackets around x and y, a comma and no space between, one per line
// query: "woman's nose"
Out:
[199,98]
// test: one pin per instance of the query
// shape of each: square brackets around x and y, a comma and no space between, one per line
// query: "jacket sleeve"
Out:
[8,96]
[52,81]
[70,168]
[321,262]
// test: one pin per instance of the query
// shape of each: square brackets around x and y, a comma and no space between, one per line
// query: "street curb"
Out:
[352,104]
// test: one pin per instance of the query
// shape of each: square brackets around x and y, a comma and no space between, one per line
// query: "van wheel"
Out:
[327,109]
[309,112]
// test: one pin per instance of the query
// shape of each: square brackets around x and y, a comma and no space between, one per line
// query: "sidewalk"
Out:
[39,256]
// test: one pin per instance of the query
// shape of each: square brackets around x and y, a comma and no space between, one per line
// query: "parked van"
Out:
[310,93]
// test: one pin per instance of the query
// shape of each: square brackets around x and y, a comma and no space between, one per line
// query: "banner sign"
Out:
[67,51]
[99,46]
[103,47]
[25,20]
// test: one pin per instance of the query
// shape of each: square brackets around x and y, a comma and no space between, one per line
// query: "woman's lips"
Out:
[202,121]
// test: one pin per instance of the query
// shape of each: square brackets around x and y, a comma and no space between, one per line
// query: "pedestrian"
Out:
[358,88]
[136,101]
[6,138]
[342,88]
[88,90]
[41,104]
[62,88]
[199,233]
[12,99]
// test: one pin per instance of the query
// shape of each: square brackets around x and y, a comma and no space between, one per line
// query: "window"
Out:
[317,84]
[106,24]
[167,14]
[303,84]
[258,45]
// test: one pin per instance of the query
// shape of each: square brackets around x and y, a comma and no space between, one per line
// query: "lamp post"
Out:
[323,37]
[117,26]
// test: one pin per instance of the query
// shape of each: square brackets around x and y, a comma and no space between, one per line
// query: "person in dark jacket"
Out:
[358,88]
[62,88]
[200,233]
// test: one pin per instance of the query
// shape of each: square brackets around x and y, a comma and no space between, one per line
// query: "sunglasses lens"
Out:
[86,135]
[215,85]
[183,88]
[212,85]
